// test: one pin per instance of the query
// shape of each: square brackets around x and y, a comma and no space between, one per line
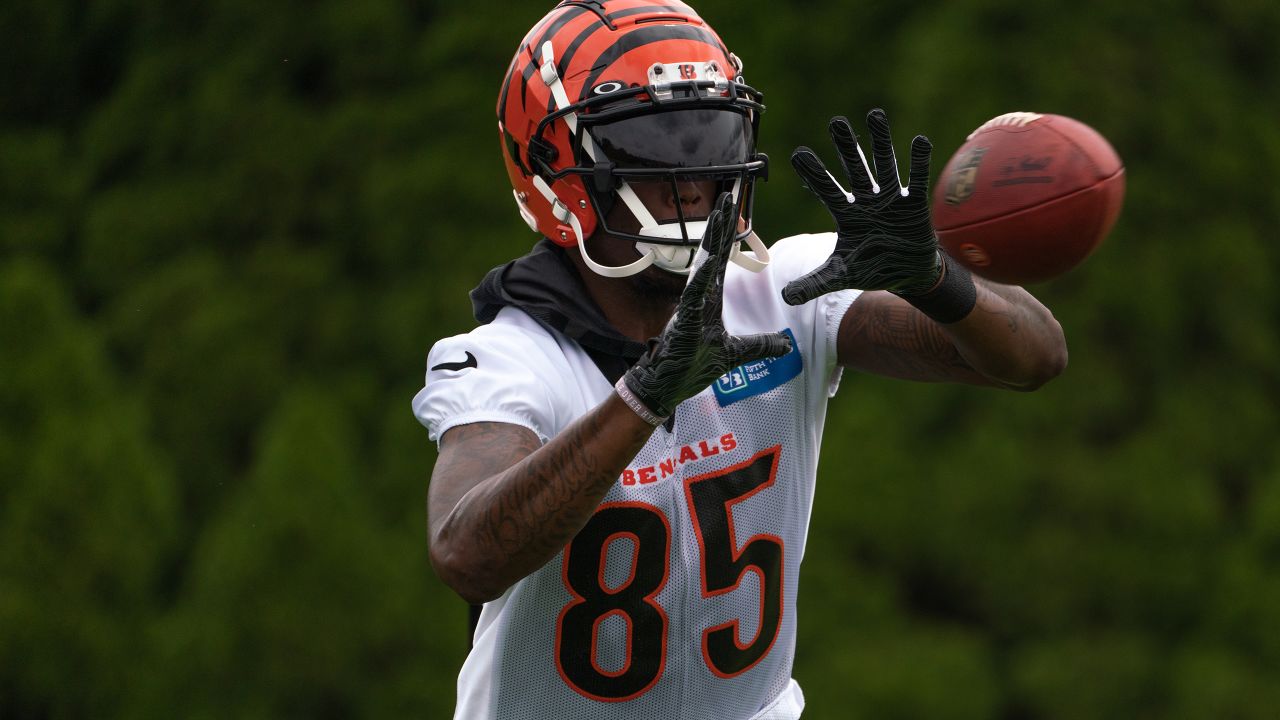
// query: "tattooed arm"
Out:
[1009,340]
[500,506]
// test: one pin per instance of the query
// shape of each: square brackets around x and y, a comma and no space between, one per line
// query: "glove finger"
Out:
[851,155]
[729,217]
[728,211]
[748,348]
[882,151]
[696,288]
[921,148]
[816,177]
[718,220]
[718,243]
[815,284]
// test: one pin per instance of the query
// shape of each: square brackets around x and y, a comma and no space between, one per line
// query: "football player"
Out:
[630,438]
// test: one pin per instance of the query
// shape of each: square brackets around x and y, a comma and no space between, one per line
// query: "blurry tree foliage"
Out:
[230,231]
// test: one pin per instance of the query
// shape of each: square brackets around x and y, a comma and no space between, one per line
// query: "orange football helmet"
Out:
[602,94]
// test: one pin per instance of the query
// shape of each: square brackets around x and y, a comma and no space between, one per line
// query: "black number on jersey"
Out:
[711,498]
[633,601]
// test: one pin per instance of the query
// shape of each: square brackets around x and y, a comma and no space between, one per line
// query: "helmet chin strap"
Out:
[562,213]
[674,258]
[679,258]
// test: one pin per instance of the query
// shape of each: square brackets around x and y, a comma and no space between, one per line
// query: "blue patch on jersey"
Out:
[753,378]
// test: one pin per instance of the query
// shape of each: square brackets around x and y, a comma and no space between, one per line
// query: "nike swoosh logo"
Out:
[470,362]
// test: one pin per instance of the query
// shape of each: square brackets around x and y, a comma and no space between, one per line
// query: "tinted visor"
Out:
[677,139]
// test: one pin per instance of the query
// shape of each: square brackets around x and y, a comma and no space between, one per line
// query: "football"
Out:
[1028,197]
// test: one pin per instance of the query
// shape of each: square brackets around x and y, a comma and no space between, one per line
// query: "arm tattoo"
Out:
[471,453]
[889,337]
[1008,340]
[1003,292]
[529,517]
[517,503]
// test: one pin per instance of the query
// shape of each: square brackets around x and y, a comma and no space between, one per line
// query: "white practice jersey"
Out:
[678,598]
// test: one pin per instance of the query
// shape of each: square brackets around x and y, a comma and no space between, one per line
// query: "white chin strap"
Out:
[679,258]
[561,212]
[672,258]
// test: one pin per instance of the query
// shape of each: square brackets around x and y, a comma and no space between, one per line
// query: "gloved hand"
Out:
[694,349]
[884,235]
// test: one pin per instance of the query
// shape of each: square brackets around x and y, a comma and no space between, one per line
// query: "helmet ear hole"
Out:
[542,152]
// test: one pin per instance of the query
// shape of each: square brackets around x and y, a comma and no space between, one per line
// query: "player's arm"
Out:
[500,507]
[501,504]
[1008,340]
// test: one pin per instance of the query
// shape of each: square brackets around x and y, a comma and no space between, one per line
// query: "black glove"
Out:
[694,349]
[884,236]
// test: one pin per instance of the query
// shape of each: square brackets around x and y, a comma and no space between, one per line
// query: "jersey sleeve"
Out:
[491,374]
[793,257]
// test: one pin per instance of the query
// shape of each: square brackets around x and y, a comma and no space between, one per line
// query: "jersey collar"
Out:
[545,285]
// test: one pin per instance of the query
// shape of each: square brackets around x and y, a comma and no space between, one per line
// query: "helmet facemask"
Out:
[686,131]
[675,149]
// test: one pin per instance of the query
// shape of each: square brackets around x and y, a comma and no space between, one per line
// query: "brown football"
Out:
[1028,197]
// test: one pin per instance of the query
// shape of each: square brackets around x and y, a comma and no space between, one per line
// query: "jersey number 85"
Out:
[711,498]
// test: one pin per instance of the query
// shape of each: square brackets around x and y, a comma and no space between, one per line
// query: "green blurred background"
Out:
[230,231]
